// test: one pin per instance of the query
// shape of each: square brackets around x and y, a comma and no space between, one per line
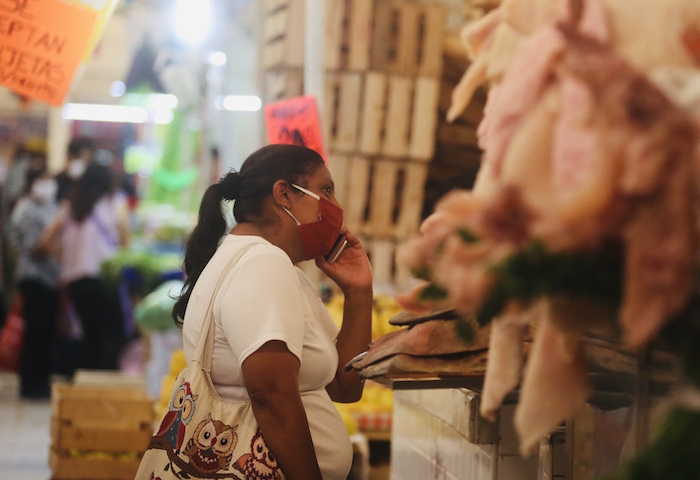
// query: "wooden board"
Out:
[348,113]
[385,177]
[295,34]
[335,16]
[282,37]
[382,198]
[94,406]
[398,117]
[275,25]
[424,119]
[270,6]
[283,84]
[407,38]
[359,34]
[432,41]
[412,195]
[273,54]
[387,274]
[382,47]
[355,208]
[373,112]
[76,468]
[340,168]
[103,438]
[329,118]
[108,379]
[381,253]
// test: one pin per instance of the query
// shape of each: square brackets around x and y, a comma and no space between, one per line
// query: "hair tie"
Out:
[230,185]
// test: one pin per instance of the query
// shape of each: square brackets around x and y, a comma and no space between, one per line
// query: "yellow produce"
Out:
[348,417]
[177,362]
[383,308]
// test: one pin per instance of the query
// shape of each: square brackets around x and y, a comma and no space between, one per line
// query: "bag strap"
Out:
[204,352]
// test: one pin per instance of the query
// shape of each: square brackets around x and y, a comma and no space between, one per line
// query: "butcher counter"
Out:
[438,432]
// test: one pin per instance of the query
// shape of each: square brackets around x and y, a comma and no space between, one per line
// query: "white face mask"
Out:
[76,168]
[44,190]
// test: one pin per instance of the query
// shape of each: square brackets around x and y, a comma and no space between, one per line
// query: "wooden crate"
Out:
[382,198]
[393,36]
[65,467]
[282,41]
[387,275]
[379,114]
[283,84]
[348,34]
[475,9]
[99,431]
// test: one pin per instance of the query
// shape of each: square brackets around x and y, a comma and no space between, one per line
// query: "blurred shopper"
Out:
[93,224]
[81,151]
[37,275]
[31,155]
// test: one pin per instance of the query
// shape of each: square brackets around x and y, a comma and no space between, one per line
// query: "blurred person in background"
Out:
[81,151]
[37,274]
[30,155]
[92,224]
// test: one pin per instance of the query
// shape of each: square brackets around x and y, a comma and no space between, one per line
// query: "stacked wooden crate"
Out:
[99,432]
[383,67]
[282,49]
[457,154]
[475,9]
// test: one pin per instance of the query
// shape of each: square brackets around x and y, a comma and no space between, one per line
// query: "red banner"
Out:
[295,122]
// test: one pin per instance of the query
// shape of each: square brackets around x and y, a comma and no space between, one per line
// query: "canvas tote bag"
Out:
[202,436]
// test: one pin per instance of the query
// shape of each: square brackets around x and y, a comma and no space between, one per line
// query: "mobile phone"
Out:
[340,244]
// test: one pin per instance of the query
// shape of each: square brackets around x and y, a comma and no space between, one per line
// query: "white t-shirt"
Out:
[265,297]
[87,244]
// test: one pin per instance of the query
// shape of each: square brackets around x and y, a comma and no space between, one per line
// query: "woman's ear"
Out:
[281,192]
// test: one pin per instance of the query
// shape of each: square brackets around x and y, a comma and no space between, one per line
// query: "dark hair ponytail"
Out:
[201,245]
[249,187]
[95,183]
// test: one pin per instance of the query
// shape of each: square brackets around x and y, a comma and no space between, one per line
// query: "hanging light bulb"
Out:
[192,20]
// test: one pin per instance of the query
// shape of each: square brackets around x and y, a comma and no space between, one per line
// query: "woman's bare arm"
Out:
[271,376]
[50,243]
[353,274]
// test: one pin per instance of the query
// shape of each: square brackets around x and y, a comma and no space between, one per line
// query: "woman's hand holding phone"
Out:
[347,263]
[337,249]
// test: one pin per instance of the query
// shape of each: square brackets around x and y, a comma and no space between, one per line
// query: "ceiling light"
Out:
[192,18]
[239,103]
[117,89]
[116,113]
[216,59]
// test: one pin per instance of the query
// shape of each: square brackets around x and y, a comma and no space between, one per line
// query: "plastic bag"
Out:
[153,312]
[11,338]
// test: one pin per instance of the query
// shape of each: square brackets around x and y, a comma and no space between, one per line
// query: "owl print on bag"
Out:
[211,447]
[260,464]
[180,410]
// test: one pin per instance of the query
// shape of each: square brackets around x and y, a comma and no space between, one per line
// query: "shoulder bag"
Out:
[202,436]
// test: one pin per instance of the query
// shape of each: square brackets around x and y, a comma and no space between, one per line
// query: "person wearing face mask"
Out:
[80,153]
[275,343]
[90,227]
[37,278]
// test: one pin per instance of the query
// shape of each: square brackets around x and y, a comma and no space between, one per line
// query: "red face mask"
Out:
[318,237]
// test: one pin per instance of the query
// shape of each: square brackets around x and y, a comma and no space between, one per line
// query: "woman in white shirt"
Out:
[92,224]
[275,342]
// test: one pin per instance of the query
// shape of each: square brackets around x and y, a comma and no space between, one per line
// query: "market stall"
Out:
[576,248]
